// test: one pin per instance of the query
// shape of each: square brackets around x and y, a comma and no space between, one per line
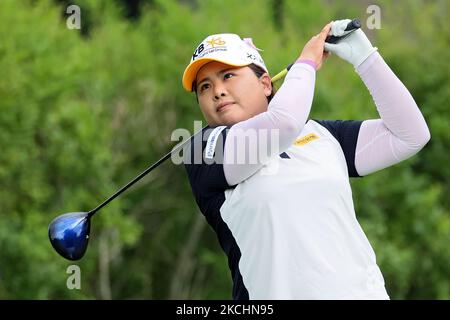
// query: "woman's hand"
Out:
[314,48]
[355,48]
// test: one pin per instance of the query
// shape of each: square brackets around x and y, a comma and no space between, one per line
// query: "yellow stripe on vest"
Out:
[304,140]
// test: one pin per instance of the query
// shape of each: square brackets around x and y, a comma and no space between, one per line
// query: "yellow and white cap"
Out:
[227,48]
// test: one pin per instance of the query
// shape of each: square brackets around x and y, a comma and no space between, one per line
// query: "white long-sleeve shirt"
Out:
[281,203]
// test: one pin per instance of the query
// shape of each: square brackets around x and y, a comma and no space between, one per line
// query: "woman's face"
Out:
[228,95]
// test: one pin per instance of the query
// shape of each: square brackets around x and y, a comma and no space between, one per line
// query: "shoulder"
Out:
[203,160]
[338,125]
[205,146]
[342,130]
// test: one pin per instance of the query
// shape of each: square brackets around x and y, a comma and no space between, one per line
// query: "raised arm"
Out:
[400,133]
[401,130]
[286,116]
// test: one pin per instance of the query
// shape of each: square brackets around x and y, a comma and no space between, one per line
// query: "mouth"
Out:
[224,105]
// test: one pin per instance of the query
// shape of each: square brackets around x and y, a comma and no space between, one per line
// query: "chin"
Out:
[230,121]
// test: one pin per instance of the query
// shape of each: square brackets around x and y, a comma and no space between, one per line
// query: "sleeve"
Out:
[255,141]
[401,130]
[346,133]
[203,161]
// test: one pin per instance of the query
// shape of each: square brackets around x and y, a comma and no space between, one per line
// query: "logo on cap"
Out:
[210,44]
[227,48]
[216,42]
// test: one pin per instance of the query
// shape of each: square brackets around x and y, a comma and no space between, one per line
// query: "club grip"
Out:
[352,25]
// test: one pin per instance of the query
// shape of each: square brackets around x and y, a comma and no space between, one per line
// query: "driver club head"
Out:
[69,234]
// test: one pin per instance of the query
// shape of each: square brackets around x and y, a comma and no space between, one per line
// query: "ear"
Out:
[266,82]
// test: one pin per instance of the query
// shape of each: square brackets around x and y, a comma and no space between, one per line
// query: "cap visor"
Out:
[192,69]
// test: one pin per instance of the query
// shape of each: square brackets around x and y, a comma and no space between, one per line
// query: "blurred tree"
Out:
[277,8]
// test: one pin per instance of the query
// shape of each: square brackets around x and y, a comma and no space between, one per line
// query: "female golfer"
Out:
[274,184]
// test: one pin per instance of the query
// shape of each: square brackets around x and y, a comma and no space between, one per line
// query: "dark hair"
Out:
[258,72]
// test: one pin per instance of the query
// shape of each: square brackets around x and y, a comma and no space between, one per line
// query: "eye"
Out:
[204,87]
[228,75]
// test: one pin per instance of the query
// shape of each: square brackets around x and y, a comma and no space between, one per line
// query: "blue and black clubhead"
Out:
[69,234]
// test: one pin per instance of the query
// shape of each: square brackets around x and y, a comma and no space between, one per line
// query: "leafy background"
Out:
[82,112]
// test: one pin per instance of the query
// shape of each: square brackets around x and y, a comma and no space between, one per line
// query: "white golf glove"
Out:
[355,48]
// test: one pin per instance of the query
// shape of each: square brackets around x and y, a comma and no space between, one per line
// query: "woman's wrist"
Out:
[312,63]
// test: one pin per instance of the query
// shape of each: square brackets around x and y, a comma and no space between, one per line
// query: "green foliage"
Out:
[82,113]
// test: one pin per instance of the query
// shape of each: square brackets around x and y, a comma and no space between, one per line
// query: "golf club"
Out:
[351,26]
[69,233]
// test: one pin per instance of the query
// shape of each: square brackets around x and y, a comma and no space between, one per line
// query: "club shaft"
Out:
[139,177]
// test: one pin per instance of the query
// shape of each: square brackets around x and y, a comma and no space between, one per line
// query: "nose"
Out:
[219,91]
[218,95]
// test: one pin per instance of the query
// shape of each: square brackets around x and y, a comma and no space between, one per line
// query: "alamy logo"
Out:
[374,20]
[74,280]
[244,146]
[74,20]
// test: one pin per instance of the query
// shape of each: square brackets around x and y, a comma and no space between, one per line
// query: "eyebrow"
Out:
[218,73]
